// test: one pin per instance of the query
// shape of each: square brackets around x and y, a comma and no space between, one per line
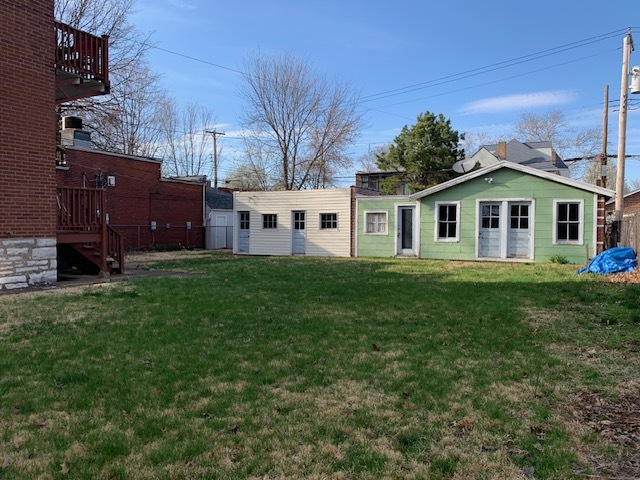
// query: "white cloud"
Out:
[518,102]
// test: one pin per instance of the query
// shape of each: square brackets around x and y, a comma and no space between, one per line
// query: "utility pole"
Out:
[627,48]
[215,156]
[605,127]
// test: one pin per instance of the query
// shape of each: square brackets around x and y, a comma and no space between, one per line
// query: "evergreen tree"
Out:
[422,154]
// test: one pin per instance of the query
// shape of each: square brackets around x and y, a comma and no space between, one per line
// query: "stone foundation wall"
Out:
[27,262]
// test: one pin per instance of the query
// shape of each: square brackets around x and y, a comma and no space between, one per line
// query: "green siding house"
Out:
[503,212]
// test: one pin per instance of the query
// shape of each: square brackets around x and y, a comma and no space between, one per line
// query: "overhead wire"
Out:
[493,67]
[444,79]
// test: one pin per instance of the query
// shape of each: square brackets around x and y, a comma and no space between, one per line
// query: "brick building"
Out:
[43,63]
[27,135]
[631,203]
[136,196]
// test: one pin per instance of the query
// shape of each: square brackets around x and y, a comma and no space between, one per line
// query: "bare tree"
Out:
[298,119]
[473,140]
[554,127]
[248,176]
[367,162]
[128,121]
[187,146]
[591,169]
[634,185]
[127,46]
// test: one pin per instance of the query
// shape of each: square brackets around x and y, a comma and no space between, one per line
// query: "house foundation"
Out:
[27,262]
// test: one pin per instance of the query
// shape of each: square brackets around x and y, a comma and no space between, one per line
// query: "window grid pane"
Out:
[519,217]
[447,221]
[568,222]
[491,216]
[376,222]
[244,220]
[328,220]
[269,220]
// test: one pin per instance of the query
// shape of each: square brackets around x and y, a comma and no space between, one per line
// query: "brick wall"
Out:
[139,197]
[27,137]
[27,120]
[632,203]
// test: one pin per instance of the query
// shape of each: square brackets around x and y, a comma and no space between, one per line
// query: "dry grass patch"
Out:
[375,369]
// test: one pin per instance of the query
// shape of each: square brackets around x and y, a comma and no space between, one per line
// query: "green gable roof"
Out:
[517,167]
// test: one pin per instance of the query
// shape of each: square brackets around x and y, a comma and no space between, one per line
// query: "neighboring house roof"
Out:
[613,200]
[218,199]
[531,154]
[517,167]
[190,178]
[386,172]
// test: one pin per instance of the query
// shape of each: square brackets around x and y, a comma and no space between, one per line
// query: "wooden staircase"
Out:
[84,238]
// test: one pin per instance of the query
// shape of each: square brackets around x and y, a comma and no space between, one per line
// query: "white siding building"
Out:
[304,222]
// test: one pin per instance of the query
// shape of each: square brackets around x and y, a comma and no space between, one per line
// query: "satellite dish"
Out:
[465,165]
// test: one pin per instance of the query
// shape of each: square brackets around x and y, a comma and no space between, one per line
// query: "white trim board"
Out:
[517,167]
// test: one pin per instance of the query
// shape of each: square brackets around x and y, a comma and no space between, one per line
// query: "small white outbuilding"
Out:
[300,222]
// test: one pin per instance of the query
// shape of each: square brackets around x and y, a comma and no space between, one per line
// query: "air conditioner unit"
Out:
[72,122]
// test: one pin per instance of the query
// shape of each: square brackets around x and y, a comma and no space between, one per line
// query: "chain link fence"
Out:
[218,237]
[163,237]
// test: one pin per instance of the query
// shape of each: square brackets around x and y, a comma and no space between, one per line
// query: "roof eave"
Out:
[513,166]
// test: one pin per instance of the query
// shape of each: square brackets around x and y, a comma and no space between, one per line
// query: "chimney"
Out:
[502,151]
[72,134]
[554,157]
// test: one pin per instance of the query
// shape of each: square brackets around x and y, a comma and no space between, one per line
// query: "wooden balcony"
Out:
[81,62]
[83,235]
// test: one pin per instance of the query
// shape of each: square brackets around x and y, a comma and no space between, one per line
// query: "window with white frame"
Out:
[328,221]
[447,223]
[568,221]
[270,220]
[244,220]
[375,223]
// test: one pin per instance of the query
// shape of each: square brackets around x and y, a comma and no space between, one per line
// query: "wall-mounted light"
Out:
[635,79]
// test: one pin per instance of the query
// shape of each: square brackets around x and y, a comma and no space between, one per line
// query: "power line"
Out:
[492,67]
[490,82]
[195,59]
[448,78]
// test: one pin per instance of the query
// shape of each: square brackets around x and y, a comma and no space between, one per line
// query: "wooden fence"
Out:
[630,235]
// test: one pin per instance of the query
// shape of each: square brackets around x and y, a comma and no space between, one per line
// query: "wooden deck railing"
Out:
[79,209]
[115,247]
[81,53]
[82,220]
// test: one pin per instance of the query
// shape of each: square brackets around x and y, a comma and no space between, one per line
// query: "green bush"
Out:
[559,259]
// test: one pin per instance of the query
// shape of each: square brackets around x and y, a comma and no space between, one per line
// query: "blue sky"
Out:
[450,55]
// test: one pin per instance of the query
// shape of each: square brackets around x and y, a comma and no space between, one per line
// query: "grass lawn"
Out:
[321,368]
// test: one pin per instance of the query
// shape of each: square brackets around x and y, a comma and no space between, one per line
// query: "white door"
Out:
[221,231]
[519,237]
[405,224]
[299,233]
[243,231]
[490,233]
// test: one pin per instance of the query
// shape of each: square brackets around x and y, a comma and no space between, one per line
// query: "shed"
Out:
[304,222]
[503,212]
[219,218]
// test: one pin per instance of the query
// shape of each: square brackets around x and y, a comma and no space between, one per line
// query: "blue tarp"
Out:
[614,260]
